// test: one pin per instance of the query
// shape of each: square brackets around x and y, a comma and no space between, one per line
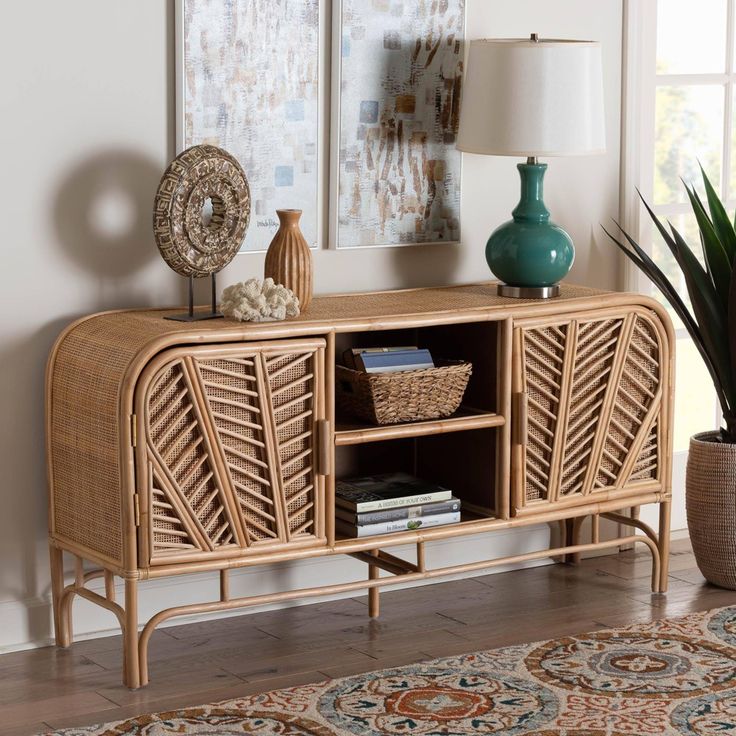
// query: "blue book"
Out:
[398,360]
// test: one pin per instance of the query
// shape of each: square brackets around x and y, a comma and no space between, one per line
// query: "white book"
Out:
[402,525]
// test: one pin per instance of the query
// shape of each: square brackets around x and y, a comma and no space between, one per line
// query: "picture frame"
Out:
[336,239]
[264,222]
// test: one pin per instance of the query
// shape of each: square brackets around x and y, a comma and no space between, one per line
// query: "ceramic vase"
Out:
[289,260]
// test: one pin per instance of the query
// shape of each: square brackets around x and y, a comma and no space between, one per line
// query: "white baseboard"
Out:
[27,624]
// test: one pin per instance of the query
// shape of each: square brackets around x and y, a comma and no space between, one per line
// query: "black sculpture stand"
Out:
[191,316]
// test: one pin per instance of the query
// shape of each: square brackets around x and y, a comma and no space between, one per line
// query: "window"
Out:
[680,78]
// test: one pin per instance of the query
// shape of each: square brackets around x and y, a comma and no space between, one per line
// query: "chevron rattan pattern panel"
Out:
[188,504]
[168,532]
[606,373]
[231,387]
[629,425]
[648,463]
[291,380]
[593,361]
[544,354]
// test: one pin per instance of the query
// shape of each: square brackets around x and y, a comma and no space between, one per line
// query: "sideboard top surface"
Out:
[126,339]
[346,312]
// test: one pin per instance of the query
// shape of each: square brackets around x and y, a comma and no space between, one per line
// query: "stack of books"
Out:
[395,502]
[388,360]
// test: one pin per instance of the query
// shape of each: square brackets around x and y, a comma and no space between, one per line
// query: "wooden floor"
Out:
[203,662]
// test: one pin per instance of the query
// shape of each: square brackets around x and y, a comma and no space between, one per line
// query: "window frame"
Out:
[640,82]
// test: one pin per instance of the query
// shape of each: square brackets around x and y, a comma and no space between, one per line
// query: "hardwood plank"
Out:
[47,709]
[292,664]
[169,680]
[26,729]
[30,687]
[691,575]
[395,659]
[176,702]
[424,641]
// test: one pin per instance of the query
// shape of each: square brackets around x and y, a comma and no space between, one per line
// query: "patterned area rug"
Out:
[675,676]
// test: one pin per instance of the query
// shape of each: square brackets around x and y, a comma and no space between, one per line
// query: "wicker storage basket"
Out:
[403,396]
[711,507]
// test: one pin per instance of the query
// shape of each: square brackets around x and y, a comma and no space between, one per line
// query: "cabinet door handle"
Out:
[519,418]
[323,447]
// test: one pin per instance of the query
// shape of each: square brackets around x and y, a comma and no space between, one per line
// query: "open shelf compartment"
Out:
[473,342]
[461,452]
[463,462]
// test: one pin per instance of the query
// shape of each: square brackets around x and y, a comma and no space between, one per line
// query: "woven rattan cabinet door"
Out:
[589,395]
[227,465]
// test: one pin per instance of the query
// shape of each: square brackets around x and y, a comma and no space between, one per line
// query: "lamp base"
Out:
[529,292]
[529,250]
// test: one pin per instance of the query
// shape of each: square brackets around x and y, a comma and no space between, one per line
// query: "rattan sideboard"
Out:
[177,448]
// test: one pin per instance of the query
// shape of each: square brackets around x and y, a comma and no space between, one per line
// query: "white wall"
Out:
[86,117]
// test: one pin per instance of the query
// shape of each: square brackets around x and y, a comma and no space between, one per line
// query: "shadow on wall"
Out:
[436,267]
[103,217]
[589,272]
[24,555]
[103,214]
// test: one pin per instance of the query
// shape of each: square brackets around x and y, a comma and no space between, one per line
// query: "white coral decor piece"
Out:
[253,301]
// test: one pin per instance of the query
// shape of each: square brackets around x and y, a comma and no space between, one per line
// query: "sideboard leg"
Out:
[131,667]
[61,625]
[573,537]
[634,513]
[664,545]
[595,528]
[562,531]
[374,604]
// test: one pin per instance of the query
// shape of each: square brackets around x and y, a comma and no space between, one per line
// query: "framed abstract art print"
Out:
[397,82]
[249,81]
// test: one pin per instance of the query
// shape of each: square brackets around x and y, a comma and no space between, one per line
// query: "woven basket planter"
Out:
[711,507]
[404,396]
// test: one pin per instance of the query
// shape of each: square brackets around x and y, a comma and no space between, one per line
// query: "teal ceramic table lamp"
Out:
[532,98]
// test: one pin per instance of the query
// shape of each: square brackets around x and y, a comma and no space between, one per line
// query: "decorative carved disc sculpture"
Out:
[191,244]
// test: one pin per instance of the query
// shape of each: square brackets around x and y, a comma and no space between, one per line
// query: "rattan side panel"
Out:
[83,443]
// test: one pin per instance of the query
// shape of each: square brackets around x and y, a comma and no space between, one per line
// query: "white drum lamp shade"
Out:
[533,98]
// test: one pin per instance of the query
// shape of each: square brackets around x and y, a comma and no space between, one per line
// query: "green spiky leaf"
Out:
[721,220]
[709,313]
[716,257]
[656,275]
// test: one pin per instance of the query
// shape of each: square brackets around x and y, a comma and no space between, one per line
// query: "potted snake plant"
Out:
[709,315]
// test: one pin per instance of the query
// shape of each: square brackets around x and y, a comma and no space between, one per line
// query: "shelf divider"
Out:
[464,419]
